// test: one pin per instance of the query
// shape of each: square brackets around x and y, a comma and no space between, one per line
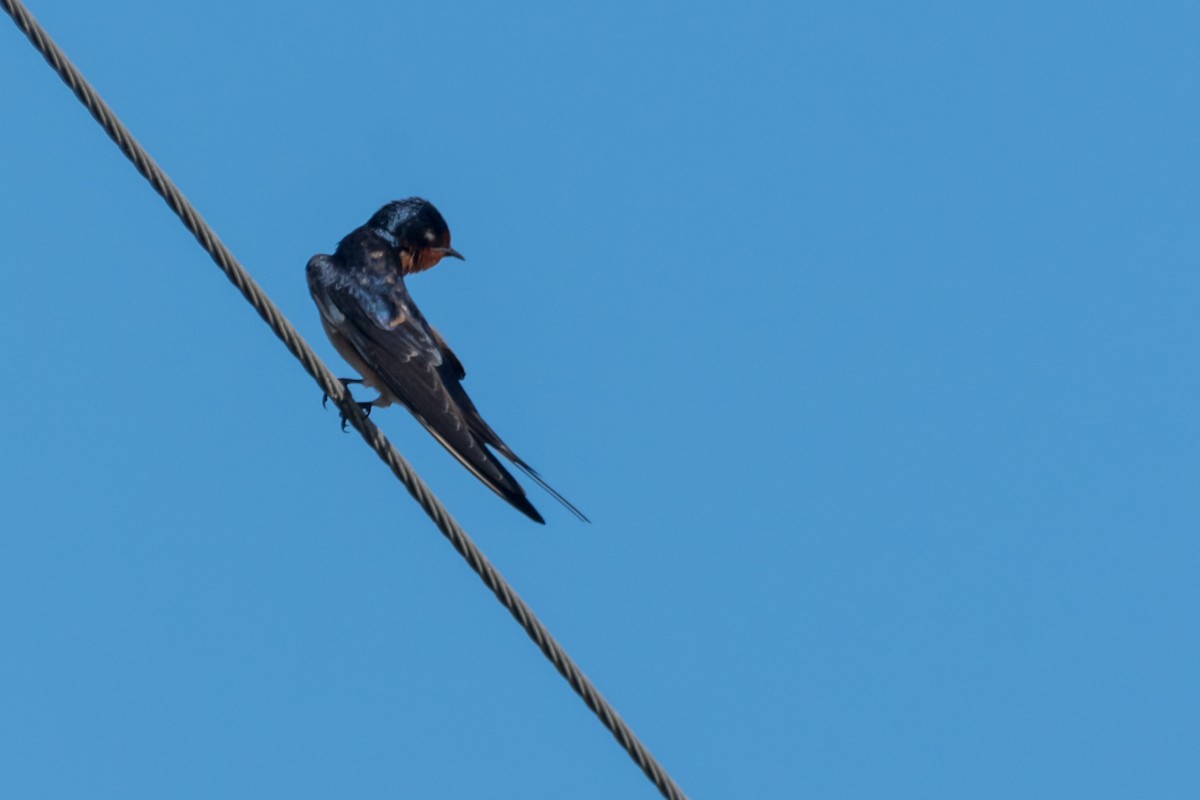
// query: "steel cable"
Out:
[339,394]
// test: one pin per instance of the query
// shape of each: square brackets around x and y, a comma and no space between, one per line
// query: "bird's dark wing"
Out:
[388,332]
[454,367]
[452,373]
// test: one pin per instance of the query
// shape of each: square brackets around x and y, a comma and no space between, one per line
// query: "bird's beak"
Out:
[450,251]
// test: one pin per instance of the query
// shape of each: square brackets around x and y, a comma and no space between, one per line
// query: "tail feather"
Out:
[490,472]
[550,490]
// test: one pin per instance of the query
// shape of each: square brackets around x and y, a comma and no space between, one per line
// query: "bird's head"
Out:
[421,234]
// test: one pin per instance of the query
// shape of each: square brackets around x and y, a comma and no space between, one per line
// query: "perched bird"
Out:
[373,322]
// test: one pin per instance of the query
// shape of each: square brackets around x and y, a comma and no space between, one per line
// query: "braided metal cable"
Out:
[339,394]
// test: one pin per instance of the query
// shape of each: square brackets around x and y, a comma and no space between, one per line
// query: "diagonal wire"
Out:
[338,393]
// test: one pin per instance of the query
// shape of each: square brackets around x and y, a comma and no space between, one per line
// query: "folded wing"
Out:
[389,333]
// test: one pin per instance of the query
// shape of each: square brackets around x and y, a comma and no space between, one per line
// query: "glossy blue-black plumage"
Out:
[372,320]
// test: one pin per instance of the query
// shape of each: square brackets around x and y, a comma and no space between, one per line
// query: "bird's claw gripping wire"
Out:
[366,407]
[366,410]
[345,382]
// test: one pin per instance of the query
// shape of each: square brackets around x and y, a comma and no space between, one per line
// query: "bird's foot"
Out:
[345,382]
[366,407]
[366,410]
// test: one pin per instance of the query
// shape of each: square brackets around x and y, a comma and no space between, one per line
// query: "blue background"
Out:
[865,332]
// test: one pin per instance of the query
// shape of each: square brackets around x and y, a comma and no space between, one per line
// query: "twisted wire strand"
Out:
[337,392]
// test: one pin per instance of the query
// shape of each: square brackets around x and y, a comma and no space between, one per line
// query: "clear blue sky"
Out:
[866,333]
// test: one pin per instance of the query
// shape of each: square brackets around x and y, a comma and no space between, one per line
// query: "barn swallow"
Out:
[373,322]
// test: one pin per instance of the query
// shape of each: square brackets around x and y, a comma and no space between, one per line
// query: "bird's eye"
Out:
[430,236]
